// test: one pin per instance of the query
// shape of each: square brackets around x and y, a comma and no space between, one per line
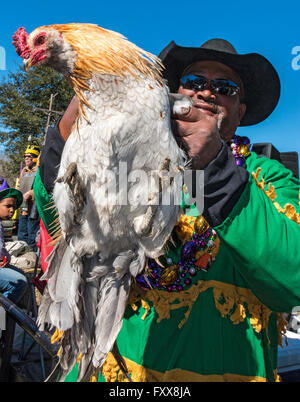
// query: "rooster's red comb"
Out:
[20,43]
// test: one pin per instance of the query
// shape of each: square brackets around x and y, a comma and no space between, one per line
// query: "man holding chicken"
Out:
[212,311]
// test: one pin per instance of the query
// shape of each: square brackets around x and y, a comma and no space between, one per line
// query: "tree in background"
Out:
[20,94]
[4,171]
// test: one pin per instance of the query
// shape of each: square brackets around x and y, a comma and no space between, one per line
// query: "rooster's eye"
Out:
[40,40]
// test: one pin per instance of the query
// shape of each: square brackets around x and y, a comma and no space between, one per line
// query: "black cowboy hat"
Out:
[260,79]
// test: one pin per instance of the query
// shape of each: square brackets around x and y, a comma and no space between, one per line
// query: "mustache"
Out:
[213,107]
[210,104]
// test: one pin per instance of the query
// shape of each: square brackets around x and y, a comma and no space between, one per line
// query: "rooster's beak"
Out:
[26,64]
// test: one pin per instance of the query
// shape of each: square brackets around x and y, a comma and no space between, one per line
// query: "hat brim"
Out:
[12,193]
[259,77]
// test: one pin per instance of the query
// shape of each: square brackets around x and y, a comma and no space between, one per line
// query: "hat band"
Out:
[31,151]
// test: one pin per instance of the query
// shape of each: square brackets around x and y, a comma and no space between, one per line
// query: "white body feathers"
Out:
[130,124]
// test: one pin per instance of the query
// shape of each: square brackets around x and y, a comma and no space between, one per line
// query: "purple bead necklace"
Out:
[240,147]
[175,277]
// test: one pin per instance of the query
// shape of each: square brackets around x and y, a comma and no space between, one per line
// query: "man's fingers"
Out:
[195,114]
[191,114]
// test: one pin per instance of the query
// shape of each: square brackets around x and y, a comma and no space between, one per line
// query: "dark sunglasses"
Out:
[219,86]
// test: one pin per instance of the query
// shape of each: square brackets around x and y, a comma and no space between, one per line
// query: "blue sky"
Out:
[265,27]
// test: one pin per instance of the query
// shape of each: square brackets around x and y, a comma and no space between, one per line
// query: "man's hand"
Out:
[197,132]
[27,196]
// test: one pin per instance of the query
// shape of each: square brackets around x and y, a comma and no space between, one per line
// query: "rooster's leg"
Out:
[148,218]
[73,180]
[147,222]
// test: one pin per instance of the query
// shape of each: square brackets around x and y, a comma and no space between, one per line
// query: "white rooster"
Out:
[112,180]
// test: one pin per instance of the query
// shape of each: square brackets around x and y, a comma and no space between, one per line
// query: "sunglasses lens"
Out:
[193,82]
[225,87]
[199,83]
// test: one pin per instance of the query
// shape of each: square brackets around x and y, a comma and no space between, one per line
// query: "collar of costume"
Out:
[193,245]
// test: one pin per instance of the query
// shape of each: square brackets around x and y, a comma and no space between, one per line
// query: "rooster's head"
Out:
[45,46]
[80,51]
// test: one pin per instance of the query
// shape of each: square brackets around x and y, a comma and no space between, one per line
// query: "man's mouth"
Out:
[207,107]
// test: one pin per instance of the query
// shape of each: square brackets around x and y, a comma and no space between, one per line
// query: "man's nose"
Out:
[206,94]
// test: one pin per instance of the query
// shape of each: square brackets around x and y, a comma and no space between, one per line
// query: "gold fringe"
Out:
[281,325]
[261,184]
[277,376]
[95,375]
[112,373]
[230,301]
[146,306]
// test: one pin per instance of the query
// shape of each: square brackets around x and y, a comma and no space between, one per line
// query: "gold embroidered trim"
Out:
[261,184]
[95,375]
[230,301]
[111,372]
[289,210]
[236,298]
[277,376]
[281,326]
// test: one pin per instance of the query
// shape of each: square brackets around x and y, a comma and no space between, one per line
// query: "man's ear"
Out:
[242,110]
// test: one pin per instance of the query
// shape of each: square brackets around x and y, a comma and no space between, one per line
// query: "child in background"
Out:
[13,282]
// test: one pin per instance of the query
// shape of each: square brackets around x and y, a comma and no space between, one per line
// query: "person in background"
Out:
[13,282]
[29,218]
[3,184]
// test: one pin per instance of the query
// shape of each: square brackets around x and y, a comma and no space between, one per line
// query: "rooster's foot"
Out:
[73,180]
